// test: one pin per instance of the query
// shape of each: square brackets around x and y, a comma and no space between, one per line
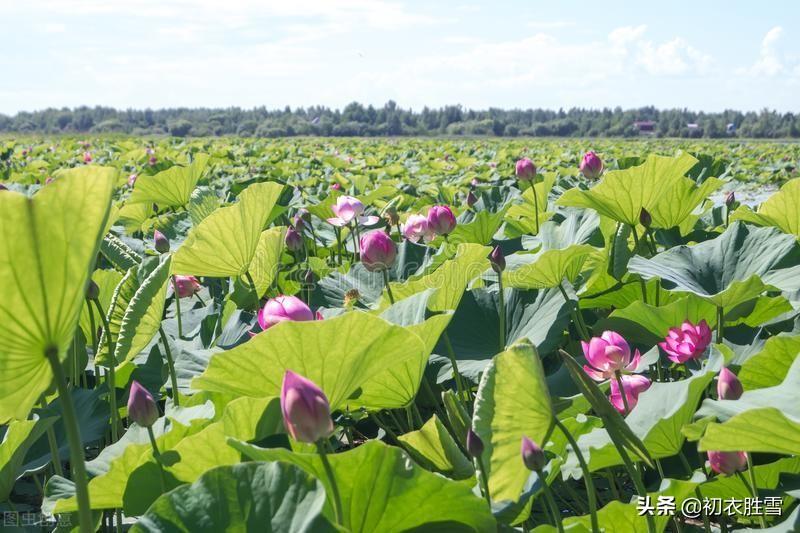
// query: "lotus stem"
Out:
[484,480]
[385,273]
[55,456]
[720,325]
[111,378]
[337,501]
[583,331]
[618,377]
[587,475]
[638,483]
[157,456]
[706,522]
[551,503]
[502,312]
[535,206]
[253,288]
[75,443]
[355,244]
[177,308]
[171,366]
[454,363]
[752,485]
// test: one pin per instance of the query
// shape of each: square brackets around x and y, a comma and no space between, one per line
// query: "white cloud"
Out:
[769,62]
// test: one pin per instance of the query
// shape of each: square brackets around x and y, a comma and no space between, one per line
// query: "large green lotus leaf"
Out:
[268,497]
[781,210]
[340,355]
[520,217]
[142,317]
[479,230]
[118,253]
[724,271]
[47,253]
[657,420]
[133,216]
[115,312]
[512,401]
[548,268]
[449,280]
[15,441]
[172,187]
[622,194]
[264,265]
[224,243]
[579,226]
[202,203]
[769,367]
[382,489]
[107,281]
[434,449]
[679,201]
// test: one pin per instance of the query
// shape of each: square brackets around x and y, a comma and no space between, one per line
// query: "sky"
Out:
[705,55]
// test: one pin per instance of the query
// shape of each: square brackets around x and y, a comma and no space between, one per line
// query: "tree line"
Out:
[390,120]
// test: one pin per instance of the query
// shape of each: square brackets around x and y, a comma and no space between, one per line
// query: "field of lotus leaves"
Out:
[399,335]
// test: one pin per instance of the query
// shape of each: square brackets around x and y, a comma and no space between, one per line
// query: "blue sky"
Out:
[702,55]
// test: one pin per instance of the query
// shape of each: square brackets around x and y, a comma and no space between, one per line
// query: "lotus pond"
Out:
[399,335]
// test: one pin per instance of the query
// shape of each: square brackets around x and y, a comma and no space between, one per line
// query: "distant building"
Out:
[693,126]
[645,127]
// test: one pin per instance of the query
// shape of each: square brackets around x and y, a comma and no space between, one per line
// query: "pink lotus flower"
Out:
[305,408]
[283,308]
[728,385]
[591,165]
[416,229]
[441,220]
[608,354]
[142,408]
[293,240]
[185,286]
[687,342]
[132,180]
[87,157]
[336,186]
[349,209]
[152,161]
[727,463]
[633,385]
[525,169]
[378,251]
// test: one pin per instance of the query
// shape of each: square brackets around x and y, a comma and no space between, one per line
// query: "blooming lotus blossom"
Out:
[728,385]
[591,165]
[633,385]
[185,286]
[525,169]
[608,354]
[142,408]
[378,251]
[283,308]
[305,408]
[349,209]
[87,157]
[441,220]
[416,229]
[336,186]
[727,463]
[532,455]
[687,342]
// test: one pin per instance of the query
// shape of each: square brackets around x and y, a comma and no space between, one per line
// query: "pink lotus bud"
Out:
[283,308]
[152,161]
[633,385]
[336,186]
[497,259]
[727,463]
[416,229]
[378,251]
[728,385]
[160,242]
[92,290]
[49,180]
[301,218]
[591,165]
[474,183]
[142,408]
[441,220]
[3,187]
[532,455]
[132,180]
[730,199]
[645,219]
[471,199]
[185,286]
[87,157]
[474,444]
[293,240]
[525,169]
[688,342]
[305,408]
[608,354]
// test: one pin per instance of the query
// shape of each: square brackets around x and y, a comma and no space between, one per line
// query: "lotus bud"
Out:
[391,216]
[591,165]
[293,240]
[305,408]
[727,463]
[142,408]
[644,218]
[132,180]
[185,286]
[474,444]
[378,251]
[471,199]
[301,218]
[161,242]
[92,290]
[730,200]
[525,169]
[87,157]
[283,308]
[3,187]
[152,161]
[336,186]
[728,385]
[474,183]
[441,220]
[497,259]
[532,455]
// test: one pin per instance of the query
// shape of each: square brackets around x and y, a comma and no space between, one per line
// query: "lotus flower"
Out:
[525,169]
[474,444]
[336,186]
[87,157]
[306,411]
[185,286]
[160,242]
[152,161]
[293,240]
[645,218]
[532,455]
[497,260]
[727,463]
[728,385]
[441,220]
[471,199]
[349,209]
[416,229]
[633,385]
[283,308]
[142,408]
[132,180]
[687,342]
[608,354]
[591,165]
[378,251]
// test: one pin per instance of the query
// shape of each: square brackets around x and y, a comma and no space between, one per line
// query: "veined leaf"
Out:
[781,210]
[172,187]
[548,268]
[681,200]
[118,253]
